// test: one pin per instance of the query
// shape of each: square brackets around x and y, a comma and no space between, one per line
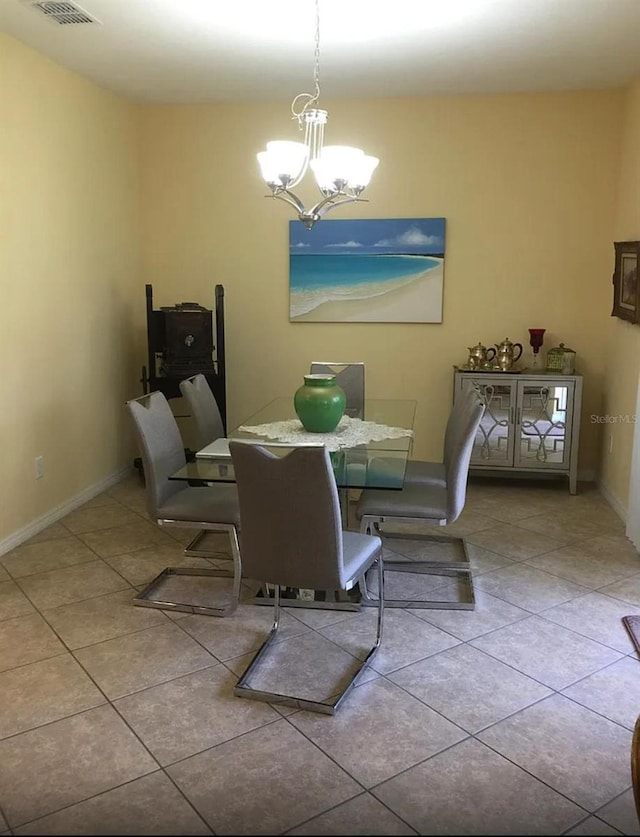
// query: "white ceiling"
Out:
[223,50]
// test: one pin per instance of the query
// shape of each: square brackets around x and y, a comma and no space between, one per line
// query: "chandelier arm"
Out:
[310,216]
[288,197]
[330,201]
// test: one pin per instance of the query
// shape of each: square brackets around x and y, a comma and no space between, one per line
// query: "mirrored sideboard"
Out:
[531,423]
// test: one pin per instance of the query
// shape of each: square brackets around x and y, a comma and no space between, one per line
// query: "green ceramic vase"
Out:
[319,403]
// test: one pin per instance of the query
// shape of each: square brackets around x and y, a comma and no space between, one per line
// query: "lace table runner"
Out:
[349,433]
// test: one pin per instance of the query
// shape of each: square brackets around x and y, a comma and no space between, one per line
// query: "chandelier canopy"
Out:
[341,171]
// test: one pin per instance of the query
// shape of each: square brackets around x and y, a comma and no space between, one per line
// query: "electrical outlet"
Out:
[39,467]
[611,443]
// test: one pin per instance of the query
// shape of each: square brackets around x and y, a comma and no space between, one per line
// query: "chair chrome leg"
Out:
[460,570]
[381,600]
[192,550]
[328,707]
[146,598]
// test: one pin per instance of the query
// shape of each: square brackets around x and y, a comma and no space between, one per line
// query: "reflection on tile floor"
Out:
[514,718]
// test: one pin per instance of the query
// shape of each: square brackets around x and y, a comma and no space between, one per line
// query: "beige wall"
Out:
[71,309]
[623,347]
[527,184]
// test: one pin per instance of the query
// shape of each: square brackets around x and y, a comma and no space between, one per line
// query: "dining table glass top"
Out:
[367,452]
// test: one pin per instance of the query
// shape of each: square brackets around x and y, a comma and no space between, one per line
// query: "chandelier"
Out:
[341,172]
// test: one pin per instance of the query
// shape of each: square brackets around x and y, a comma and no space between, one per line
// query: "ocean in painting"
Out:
[316,279]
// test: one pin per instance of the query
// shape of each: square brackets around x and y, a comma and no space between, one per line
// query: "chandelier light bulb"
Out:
[283,162]
[362,171]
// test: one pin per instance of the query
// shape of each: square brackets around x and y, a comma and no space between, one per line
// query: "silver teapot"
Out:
[506,354]
[479,356]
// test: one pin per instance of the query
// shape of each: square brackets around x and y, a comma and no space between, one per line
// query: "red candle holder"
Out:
[536,336]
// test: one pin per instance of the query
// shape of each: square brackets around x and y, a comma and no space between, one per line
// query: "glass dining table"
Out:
[368,452]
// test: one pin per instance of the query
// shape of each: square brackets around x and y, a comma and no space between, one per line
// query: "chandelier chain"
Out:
[310,99]
[316,67]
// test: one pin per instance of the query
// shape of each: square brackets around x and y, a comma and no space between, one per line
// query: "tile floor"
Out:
[515,718]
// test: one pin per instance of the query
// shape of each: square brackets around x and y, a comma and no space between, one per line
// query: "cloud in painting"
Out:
[346,245]
[413,237]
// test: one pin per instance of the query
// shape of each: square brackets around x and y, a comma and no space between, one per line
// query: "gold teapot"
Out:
[480,356]
[506,354]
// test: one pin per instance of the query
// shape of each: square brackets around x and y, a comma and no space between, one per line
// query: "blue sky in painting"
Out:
[406,236]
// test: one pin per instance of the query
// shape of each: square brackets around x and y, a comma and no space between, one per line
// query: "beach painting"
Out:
[367,271]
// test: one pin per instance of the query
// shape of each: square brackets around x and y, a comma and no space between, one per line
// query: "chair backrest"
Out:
[160,446]
[290,515]
[349,376]
[459,437]
[467,398]
[204,409]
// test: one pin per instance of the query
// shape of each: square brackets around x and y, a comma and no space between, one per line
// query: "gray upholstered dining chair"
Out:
[420,472]
[350,376]
[292,537]
[204,409]
[209,426]
[171,503]
[434,495]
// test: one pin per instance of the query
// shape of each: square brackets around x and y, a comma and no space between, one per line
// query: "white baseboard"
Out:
[613,501]
[61,511]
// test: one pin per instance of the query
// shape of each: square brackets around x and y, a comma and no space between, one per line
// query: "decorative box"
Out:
[562,360]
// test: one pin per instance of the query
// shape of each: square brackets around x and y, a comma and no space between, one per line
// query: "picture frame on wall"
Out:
[626,287]
[372,270]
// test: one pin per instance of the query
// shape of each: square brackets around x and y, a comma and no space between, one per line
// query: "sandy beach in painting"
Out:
[417,301]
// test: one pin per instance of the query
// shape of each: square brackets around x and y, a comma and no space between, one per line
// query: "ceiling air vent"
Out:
[63,13]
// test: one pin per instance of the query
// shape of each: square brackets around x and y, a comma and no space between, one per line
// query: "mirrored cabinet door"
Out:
[495,439]
[543,416]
